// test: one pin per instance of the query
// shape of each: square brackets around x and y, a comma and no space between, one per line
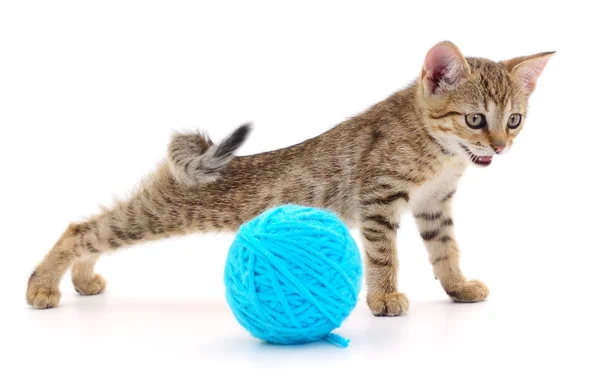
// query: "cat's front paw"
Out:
[468,292]
[89,286]
[387,304]
[40,295]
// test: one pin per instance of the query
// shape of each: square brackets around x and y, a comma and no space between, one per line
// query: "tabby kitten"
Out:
[406,152]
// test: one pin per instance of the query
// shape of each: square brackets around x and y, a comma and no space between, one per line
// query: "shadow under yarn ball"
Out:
[293,274]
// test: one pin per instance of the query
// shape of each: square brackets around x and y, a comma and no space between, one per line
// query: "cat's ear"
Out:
[444,68]
[527,69]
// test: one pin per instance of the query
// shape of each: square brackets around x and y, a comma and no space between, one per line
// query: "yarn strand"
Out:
[337,340]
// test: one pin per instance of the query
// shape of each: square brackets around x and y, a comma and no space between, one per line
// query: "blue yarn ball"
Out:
[293,274]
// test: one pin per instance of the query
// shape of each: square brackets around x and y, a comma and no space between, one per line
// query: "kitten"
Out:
[406,152]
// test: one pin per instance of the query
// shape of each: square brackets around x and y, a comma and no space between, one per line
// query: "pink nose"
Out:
[498,148]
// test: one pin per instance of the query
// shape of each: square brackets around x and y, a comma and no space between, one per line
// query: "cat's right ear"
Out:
[444,68]
[527,69]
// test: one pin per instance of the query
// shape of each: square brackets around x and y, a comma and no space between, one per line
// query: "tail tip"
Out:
[241,133]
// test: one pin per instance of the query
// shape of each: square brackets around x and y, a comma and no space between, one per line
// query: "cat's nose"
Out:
[498,148]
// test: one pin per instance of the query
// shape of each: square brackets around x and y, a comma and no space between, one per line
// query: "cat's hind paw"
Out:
[41,296]
[89,286]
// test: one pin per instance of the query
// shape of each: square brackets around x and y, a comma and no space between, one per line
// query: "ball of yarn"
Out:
[293,274]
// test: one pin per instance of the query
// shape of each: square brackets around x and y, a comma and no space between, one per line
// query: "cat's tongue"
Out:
[483,160]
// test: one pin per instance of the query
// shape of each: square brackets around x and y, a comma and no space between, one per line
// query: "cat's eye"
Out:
[514,121]
[475,120]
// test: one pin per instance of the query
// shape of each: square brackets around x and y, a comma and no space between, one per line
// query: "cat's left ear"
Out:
[527,69]
[444,69]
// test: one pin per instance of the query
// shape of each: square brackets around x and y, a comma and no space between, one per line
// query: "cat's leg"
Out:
[434,220]
[144,217]
[152,213]
[42,288]
[379,223]
[80,246]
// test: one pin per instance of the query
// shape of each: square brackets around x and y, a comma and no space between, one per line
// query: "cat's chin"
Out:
[481,161]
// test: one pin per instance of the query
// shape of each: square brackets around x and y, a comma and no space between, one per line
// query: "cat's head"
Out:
[476,107]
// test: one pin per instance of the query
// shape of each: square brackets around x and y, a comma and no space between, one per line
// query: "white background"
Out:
[90,93]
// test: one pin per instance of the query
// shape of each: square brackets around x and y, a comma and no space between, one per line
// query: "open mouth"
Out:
[477,160]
